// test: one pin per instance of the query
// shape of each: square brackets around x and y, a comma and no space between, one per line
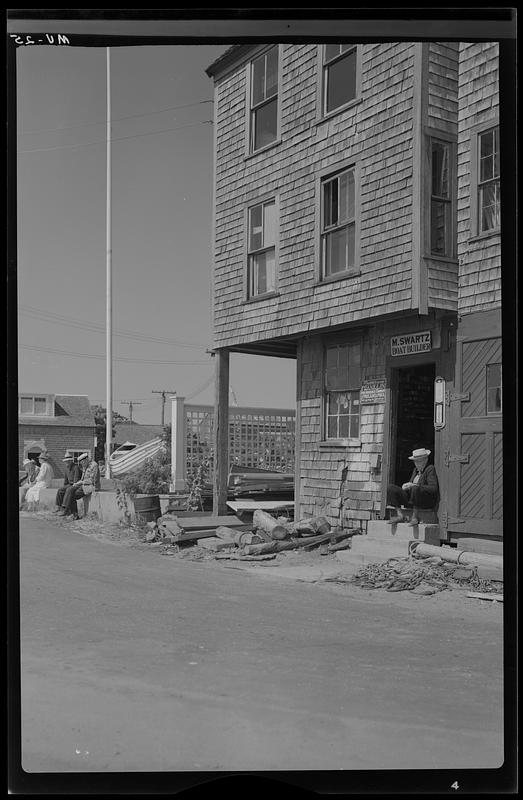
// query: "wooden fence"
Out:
[258,437]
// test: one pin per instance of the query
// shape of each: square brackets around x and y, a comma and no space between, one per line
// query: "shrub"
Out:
[152,477]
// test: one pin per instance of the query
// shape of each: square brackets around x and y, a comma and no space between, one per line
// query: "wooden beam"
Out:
[221,432]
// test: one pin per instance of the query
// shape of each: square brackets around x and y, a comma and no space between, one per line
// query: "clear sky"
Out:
[161,229]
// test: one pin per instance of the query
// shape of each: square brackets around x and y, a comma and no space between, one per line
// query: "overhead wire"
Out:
[115,358]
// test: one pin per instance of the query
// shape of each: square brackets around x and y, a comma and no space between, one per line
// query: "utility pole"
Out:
[130,403]
[109,309]
[163,392]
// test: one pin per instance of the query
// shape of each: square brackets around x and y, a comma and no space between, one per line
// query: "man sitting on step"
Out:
[421,492]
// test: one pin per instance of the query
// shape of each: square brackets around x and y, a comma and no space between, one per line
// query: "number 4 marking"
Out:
[454,785]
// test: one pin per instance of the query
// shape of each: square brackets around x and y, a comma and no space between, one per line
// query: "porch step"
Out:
[384,531]
[427,516]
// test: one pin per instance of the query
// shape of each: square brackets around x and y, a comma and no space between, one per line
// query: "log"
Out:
[222,532]
[265,522]
[295,544]
[462,557]
[310,526]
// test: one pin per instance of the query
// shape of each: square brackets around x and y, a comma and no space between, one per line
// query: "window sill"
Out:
[487,235]
[339,443]
[337,111]
[445,259]
[259,297]
[334,278]
[267,147]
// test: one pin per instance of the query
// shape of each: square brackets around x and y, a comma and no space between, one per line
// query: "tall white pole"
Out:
[109,310]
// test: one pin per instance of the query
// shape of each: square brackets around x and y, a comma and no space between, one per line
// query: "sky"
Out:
[161,228]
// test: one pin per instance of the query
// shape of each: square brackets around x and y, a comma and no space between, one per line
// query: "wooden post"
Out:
[178,444]
[221,432]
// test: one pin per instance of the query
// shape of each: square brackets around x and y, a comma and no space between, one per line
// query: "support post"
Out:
[178,444]
[221,432]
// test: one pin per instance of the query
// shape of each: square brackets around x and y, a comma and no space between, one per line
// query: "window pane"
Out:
[332,357]
[440,169]
[265,124]
[438,227]
[331,51]
[354,426]
[255,228]
[272,72]
[344,427]
[489,207]
[341,81]
[330,203]
[269,224]
[40,405]
[262,272]
[258,81]
[346,188]
[26,405]
[486,144]
[336,251]
[332,428]
[494,390]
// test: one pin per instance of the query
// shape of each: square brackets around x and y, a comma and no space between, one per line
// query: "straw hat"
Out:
[84,455]
[421,453]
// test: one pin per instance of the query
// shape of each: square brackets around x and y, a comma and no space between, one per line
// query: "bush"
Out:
[152,477]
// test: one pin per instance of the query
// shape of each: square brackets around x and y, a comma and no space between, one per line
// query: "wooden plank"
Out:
[192,536]
[203,523]
[498,598]
[265,505]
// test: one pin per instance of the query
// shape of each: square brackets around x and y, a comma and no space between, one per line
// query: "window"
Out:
[488,181]
[264,100]
[338,223]
[441,200]
[76,453]
[339,75]
[342,391]
[262,248]
[33,405]
[494,389]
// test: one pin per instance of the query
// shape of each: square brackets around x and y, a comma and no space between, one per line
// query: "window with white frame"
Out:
[261,261]
[342,391]
[488,171]
[34,405]
[264,100]
[441,227]
[339,75]
[338,223]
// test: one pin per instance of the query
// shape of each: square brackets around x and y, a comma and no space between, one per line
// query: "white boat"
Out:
[123,461]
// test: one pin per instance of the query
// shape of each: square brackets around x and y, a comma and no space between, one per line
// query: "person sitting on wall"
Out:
[73,473]
[28,480]
[43,481]
[421,492]
[86,485]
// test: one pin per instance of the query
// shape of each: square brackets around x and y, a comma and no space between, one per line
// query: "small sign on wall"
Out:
[408,343]
[372,391]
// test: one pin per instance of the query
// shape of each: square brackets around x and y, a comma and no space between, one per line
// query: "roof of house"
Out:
[138,434]
[69,410]
[228,57]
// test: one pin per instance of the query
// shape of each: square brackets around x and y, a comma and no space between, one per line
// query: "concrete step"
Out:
[380,529]
[381,547]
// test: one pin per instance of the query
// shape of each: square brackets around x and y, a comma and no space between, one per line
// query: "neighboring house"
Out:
[56,423]
[347,236]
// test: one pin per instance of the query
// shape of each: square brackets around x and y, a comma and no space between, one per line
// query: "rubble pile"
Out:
[423,576]
[229,537]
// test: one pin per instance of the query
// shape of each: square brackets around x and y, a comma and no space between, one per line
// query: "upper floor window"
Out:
[339,75]
[494,389]
[488,181]
[264,100]
[34,405]
[441,199]
[342,391]
[261,248]
[338,223]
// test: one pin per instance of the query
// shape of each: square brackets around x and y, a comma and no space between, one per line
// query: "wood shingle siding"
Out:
[480,257]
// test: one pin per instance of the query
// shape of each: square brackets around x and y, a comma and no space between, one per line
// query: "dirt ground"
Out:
[299,565]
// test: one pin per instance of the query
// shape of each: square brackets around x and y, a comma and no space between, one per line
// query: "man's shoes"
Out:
[414,521]
[395,520]
[62,513]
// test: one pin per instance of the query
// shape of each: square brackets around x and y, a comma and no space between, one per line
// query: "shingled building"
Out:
[357,231]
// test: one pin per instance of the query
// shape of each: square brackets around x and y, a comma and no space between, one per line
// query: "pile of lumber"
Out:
[265,535]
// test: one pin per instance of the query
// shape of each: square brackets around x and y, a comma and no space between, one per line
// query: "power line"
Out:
[116,358]
[115,119]
[58,319]
[116,139]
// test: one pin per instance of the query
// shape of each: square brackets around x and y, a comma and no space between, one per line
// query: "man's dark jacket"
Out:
[428,481]
[73,473]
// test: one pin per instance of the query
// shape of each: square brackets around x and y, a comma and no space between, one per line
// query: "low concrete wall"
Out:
[103,504]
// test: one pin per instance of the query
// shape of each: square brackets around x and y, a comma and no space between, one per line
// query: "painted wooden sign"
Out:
[372,391]
[408,343]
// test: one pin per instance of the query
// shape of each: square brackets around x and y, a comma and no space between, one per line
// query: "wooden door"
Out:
[474,458]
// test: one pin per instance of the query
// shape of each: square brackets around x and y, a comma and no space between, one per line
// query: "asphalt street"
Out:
[132,661]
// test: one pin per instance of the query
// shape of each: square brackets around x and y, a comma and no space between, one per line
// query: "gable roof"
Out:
[133,432]
[70,410]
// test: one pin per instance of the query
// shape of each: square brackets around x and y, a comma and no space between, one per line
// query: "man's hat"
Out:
[419,453]
[27,461]
[44,455]
[67,458]
[84,455]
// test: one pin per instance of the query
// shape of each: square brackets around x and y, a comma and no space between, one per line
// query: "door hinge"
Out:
[446,521]
[451,458]
[454,397]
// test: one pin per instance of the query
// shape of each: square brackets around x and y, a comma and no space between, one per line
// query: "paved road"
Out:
[132,661]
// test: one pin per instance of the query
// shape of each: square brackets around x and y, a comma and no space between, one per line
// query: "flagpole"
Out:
[109,332]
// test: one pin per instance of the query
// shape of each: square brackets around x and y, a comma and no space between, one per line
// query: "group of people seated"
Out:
[81,479]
